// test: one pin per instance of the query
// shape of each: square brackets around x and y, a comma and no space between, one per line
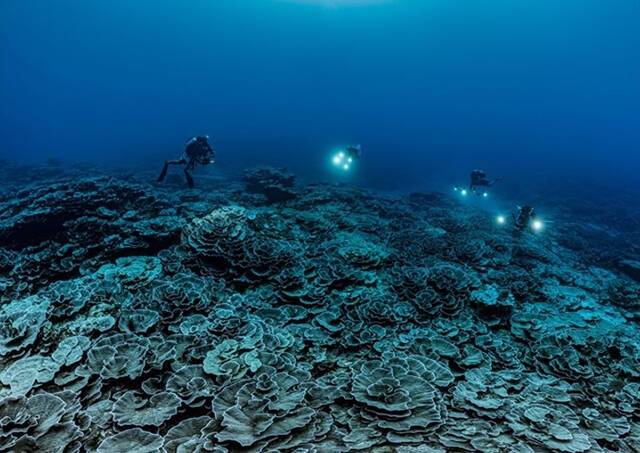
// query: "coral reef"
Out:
[142,319]
[274,184]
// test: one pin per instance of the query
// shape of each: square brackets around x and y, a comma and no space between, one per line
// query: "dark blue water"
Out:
[524,89]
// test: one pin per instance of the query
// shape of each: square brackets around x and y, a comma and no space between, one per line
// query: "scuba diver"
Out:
[479,179]
[197,151]
[354,152]
[526,218]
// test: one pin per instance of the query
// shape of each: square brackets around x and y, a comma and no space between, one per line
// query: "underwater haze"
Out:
[429,88]
[465,280]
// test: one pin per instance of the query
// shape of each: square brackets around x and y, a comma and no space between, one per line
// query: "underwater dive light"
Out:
[463,192]
[537,225]
[485,194]
[341,160]
[501,220]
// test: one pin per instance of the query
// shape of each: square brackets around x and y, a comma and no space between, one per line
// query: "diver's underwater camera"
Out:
[340,159]
[525,219]
[464,192]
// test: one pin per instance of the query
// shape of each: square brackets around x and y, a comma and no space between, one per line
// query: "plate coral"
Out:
[266,315]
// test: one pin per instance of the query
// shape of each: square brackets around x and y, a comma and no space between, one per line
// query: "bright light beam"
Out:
[340,159]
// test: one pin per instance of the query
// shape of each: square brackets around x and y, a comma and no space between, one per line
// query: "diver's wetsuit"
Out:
[525,215]
[479,179]
[354,151]
[196,151]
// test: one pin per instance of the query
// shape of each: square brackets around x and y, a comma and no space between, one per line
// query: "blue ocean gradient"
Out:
[528,90]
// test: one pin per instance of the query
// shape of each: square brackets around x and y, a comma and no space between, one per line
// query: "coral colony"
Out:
[279,317]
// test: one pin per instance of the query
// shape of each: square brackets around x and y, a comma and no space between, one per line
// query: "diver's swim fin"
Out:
[189,179]
[163,173]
